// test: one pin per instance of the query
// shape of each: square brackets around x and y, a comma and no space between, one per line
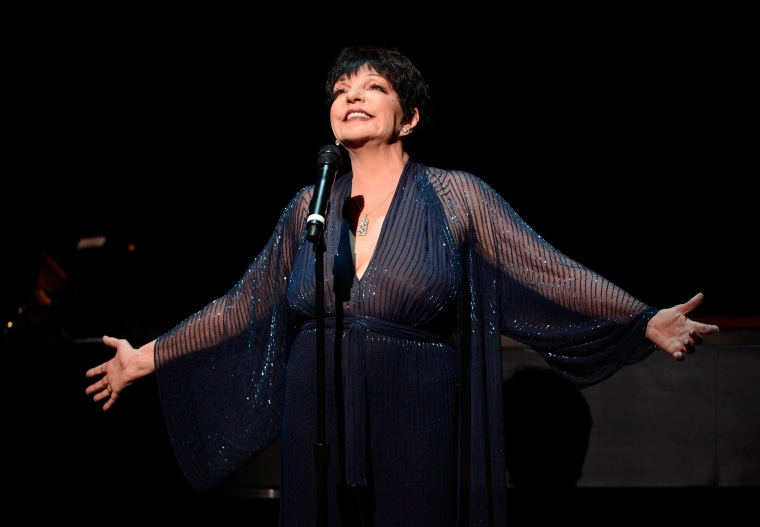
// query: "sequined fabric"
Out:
[414,416]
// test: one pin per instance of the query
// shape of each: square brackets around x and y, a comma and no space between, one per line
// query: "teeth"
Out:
[354,115]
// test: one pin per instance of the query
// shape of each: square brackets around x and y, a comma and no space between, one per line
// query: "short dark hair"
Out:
[401,73]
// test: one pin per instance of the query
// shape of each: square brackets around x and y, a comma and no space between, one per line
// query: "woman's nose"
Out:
[355,94]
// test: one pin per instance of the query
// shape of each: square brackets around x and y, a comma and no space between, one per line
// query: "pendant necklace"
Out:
[361,230]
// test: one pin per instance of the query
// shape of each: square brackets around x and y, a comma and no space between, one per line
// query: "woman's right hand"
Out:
[125,367]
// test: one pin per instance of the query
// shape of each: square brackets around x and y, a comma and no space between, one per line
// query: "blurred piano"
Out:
[52,335]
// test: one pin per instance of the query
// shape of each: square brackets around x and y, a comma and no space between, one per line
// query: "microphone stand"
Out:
[321,449]
[328,164]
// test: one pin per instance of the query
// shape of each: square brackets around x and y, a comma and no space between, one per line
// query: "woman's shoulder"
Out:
[445,177]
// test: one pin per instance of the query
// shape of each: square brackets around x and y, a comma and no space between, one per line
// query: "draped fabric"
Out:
[413,365]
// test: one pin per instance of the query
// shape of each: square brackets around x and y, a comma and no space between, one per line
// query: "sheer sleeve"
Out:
[584,326]
[220,371]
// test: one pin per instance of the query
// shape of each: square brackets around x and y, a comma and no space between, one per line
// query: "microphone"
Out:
[328,164]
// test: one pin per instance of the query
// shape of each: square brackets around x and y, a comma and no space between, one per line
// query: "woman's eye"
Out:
[338,92]
[378,87]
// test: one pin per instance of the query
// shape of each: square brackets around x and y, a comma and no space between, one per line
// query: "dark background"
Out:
[627,144]
[626,139]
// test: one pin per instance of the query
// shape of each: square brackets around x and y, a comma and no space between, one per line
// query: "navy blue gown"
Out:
[414,417]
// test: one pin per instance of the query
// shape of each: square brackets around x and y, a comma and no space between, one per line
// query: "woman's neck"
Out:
[377,169]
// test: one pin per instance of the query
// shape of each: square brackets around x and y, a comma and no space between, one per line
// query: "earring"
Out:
[337,143]
[405,129]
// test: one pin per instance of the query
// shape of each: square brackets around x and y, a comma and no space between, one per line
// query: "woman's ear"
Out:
[407,128]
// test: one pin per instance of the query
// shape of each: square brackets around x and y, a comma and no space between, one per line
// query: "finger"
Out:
[95,387]
[706,329]
[693,303]
[110,402]
[92,372]
[688,345]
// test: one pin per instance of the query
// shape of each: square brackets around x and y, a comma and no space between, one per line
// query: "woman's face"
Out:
[366,108]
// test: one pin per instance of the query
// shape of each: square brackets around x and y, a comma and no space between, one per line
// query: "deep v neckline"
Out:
[373,253]
[392,206]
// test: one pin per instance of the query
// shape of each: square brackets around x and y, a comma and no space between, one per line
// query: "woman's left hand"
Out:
[675,333]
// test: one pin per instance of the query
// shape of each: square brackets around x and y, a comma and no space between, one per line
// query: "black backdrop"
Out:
[625,141]
[627,145]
